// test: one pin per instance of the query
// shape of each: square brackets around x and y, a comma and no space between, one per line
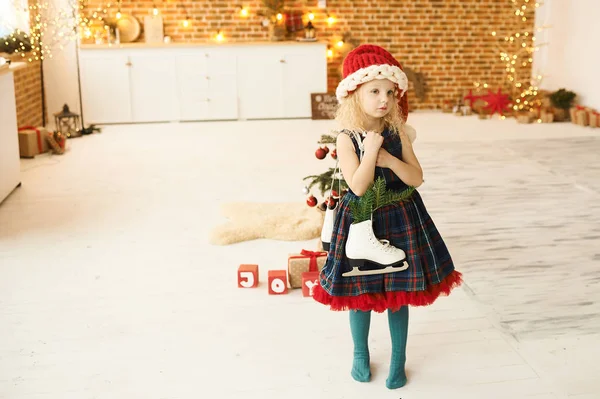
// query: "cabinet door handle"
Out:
[208,99]
[208,78]
[128,63]
[282,61]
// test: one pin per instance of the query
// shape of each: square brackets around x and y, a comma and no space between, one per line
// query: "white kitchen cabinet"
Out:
[133,83]
[260,89]
[207,86]
[302,75]
[277,82]
[153,88]
[10,167]
[105,89]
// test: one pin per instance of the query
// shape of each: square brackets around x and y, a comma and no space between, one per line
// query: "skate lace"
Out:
[386,245]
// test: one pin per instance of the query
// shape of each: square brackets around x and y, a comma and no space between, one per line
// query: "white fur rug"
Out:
[276,221]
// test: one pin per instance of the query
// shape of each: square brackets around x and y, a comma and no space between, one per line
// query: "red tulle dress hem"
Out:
[392,300]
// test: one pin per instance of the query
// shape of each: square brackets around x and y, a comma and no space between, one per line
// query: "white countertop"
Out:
[142,45]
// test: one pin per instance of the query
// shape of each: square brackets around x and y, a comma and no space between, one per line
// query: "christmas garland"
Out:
[376,196]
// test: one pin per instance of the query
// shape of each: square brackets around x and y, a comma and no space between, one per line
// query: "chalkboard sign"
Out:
[323,105]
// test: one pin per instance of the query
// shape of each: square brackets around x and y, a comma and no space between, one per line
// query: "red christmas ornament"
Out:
[326,149]
[334,154]
[311,201]
[335,194]
[331,203]
[497,102]
[320,153]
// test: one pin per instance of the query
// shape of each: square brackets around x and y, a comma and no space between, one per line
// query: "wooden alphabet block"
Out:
[309,281]
[277,282]
[248,276]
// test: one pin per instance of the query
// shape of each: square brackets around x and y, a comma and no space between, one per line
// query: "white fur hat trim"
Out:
[372,72]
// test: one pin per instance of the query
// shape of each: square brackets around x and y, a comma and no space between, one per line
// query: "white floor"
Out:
[108,288]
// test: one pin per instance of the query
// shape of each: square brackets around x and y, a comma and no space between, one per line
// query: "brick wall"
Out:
[448,41]
[28,91]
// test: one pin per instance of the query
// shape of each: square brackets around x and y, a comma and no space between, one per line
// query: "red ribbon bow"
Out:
[312,265]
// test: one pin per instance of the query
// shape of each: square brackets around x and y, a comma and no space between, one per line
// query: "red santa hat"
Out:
[368,62]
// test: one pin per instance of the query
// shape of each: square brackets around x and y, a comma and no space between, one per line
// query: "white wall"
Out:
[61,83]
[571,59]
[9,139]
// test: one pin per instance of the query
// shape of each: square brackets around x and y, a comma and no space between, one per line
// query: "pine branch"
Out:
[393,197]
[377,196]
[327,139]
[323,181]
[379,190]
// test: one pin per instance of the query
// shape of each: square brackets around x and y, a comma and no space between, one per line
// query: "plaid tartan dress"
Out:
[407,226]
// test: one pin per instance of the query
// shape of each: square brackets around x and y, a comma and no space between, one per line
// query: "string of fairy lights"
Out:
[51,28]
[516,51]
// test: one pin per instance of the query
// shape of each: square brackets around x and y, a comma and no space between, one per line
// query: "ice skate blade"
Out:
[390,269]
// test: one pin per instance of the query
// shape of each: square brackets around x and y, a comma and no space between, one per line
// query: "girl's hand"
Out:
[384,159]
[372,142]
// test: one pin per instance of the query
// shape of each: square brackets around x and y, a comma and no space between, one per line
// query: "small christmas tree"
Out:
[374,198]
[324,180]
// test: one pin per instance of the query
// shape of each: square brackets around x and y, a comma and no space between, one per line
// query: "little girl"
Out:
[373,103]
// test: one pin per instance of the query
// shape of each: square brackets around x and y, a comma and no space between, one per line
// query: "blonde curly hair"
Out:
[351,115]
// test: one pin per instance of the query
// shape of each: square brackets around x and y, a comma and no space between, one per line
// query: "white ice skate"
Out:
[362,246]
[327,229]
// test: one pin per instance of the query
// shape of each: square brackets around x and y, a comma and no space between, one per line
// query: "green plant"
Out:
[15,42]
[271,8]
[562,99]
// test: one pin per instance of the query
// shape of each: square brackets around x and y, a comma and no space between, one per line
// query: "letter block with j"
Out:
[248,276]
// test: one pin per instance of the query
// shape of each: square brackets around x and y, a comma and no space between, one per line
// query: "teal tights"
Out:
[359,326]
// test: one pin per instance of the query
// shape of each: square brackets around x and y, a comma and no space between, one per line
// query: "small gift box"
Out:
[547,117]
[572,112]
[525,117]
[305,261]
[32,141]
[594,119]
[447,106]
[581,117]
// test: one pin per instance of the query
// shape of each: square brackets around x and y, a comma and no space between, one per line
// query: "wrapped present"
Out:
[547,117]
[32,141]
[572,112]
[305,261]
[58,142]
[581,117]
[447,106]
[525,118]
[594,119]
